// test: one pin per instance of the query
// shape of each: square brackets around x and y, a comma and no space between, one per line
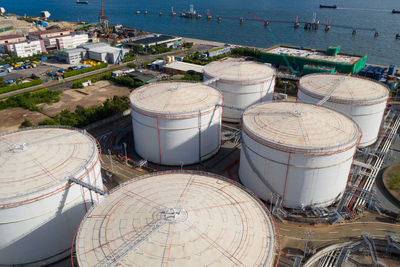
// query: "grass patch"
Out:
[394,179]
[80,71]
[30,100]
[15,87]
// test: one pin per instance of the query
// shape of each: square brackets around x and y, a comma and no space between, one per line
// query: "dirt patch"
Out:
[13,117]
[392,173]
[90,96]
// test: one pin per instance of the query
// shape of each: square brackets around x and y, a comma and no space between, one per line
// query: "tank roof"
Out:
[36,159]
[177,219]
[347,89]
[239,71]
[174,98]
[298,127]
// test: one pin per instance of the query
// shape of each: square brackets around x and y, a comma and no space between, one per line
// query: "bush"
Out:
[85,70]
[132,65]
[76,85]
[130,56]
[245,51]
[95,78]
[128,82]
[19,86]
[29,100]
[188,45]
[26,123]
[193,76]
[85,116]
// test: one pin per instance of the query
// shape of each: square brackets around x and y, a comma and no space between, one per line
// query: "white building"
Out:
[102,52]
[66,42]
[72,56]
[26,49]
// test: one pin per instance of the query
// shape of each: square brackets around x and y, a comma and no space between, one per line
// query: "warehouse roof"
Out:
[184,66]
[156,39]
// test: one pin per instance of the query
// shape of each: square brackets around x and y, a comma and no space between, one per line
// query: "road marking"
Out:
[381,229]
[355,229]
[283,229]
[333,232]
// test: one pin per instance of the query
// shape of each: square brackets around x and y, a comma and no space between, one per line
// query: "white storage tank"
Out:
[243,83]
[362,99]
[301,152]
[178,219]
[39,209]
[176,123]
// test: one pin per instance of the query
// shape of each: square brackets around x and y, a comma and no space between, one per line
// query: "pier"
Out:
[309,25]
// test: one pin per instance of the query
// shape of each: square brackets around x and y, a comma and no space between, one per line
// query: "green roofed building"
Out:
[298,57]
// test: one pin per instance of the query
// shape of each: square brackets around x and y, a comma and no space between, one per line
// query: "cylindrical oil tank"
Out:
[362,99]
[40,210]
[176,123]
[299,152]
[178,219]
[243,83]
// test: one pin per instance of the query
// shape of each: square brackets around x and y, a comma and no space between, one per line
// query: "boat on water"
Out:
[81,2]
[191,14]
[328,6]
[394,11]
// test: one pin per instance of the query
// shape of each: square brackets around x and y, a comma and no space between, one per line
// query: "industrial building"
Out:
[243,83]
[102,52]
[298,57]
[66,42]
[166,40]
[12,38]
[72,56]
[361,99]
[48,34]
[40,204]
[176,123]
[178,219]
[298,153]
[7,41]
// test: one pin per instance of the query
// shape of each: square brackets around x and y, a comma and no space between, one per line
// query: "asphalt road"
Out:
[65,83]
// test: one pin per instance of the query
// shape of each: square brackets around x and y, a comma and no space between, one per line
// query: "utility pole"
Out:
[110,158]
[126,155]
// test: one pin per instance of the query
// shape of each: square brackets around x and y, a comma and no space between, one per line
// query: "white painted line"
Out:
[283,229]
[333,232]
[381,229]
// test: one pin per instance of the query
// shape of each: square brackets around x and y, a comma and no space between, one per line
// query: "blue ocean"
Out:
[364,15]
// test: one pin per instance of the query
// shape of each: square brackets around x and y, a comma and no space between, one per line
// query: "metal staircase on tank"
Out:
[88,186]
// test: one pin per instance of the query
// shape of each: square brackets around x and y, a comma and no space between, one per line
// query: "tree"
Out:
[26,123]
